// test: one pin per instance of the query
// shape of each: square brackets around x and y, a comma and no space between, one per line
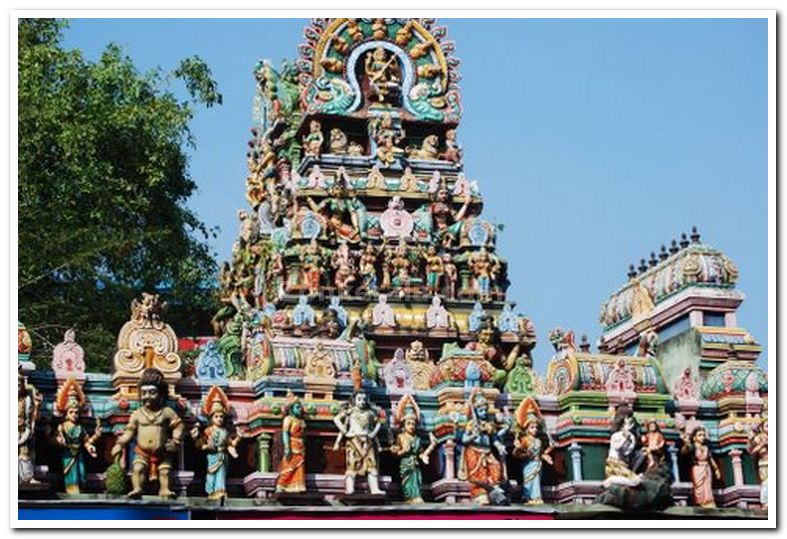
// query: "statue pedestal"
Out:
[36,491]
[300,498]
[363,498]
[318,387]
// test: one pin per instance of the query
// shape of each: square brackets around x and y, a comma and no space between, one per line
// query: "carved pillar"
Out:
[264,452]
[464,281]
[737,467]
[450,462]
[576,460]
[673,457]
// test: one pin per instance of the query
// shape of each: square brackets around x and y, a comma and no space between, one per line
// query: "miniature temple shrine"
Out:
[366,357]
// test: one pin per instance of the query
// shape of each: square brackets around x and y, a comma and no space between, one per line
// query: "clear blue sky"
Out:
[594,142]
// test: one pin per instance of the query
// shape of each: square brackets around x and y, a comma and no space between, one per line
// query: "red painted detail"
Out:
[186,344]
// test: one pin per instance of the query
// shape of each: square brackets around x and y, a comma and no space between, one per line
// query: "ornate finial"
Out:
[643,267]
[673,248]
[653,260]
[684,242]
[584,344]
[632,271]
[695,235]
[663,254]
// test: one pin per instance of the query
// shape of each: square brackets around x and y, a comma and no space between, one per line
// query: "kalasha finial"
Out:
[643,267]
[653,260]
[584,344]
[673,248]
[684,242]
[663,254]
[632,271]
[695,235]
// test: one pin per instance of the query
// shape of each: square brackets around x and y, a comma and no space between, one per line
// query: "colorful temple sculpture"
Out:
[366,352]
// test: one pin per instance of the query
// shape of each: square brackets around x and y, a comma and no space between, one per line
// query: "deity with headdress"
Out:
[479,465]
[409,448]
[533,446]
[217,442]
[72,436]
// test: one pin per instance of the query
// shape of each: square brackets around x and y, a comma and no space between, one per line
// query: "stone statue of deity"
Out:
[383,75]
[485,270]
[409,448]
[437,316]
[447,223]
[341,212]
[72,437]
[158,432]
[387,137]
[383,314]
[311,266]
[292,470]
[703,467]
[359,423]
[342,263]
[450,276]
[368,268]
[479,465]
[312,142]
[217,442]
[532,445]
[622,449]
[29,404]
[654,445]
[685,388]
[434,270]
[453,151]
[625,489]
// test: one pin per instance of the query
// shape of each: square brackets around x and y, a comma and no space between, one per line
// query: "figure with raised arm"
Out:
[409,448]
[479,465]
[72,437]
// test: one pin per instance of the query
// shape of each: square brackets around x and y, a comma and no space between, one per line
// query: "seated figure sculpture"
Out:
[623,488]
[437,316]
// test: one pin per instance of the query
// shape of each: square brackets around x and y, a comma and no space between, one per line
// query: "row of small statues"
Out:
[402,267]
[157,432]
[387,138]
[343,217]
[371,270]
[408,181]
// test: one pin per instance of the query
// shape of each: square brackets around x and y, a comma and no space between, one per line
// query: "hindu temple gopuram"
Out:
[367,361]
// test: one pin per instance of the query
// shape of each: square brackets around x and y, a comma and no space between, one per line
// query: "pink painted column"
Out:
[450,472]
[737,468]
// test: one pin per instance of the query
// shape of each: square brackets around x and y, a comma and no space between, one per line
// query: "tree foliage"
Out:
[103,186]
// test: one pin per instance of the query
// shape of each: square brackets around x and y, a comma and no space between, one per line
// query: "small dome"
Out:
[694,265]
[734,377]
